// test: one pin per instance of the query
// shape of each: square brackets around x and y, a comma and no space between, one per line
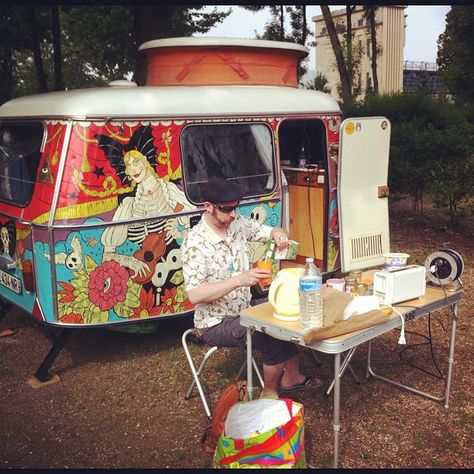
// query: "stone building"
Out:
[390,28]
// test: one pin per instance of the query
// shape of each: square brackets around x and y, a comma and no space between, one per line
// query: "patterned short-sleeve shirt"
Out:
[208,258]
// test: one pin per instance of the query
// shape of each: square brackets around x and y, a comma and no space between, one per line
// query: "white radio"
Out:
[401,284]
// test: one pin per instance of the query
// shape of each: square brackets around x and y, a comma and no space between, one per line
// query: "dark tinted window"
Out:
[243,152]
[20,145]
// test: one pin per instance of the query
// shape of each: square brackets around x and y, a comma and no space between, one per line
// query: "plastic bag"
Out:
[279,445]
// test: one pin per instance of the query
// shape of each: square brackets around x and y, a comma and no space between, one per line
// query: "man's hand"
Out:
[251,277]
[280,237]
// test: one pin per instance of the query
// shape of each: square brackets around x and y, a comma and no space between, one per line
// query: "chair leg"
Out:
[197,373]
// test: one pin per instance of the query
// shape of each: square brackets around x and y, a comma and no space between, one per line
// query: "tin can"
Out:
[360,289]
[351,282]
[357,274]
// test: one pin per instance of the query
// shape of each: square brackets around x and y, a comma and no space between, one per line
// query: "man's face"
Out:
[223,213]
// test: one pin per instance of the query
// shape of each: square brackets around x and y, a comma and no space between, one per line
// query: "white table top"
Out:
[260,318]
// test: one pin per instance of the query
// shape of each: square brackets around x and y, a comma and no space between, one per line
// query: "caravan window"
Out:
[20,152]
[242,152]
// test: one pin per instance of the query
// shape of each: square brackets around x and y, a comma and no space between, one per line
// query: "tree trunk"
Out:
[150,22]
[349,43]
[336,46]
[57,57]
[303,36]
[36,48]
[6,74]
[373,38]
[282,24]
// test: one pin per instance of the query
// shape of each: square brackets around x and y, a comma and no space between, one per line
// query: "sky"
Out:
[424,24]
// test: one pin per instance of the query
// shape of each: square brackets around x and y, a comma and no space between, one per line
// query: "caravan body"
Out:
[99,186]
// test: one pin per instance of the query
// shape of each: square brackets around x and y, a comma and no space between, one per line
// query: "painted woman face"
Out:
[135,166]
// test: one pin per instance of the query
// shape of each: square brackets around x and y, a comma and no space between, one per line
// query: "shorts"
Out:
[230,333]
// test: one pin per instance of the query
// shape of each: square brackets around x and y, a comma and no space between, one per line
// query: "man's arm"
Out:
[209,292]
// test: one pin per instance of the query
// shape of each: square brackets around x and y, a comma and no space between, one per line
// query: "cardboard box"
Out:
[289,253]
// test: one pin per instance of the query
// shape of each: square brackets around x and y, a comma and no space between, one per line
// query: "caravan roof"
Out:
[169,101]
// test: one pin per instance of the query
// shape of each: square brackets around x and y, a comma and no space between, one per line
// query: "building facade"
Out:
[390,35]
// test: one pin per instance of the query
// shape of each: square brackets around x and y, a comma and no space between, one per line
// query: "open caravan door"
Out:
[363,192]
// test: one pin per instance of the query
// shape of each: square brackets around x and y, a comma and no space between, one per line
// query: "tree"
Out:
[369,13]
[56,31]
[346,92]
[36,48]
[168,21]
[46,48]
[319,83]
[275,27]
[456,53]
[431,149]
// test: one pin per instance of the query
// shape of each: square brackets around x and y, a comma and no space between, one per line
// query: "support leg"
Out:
[249,363]
[42,373]
[337,407]
[345,364]
[451,355]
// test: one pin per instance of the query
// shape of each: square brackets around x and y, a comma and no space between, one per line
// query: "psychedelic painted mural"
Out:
[332,126]
[120,217]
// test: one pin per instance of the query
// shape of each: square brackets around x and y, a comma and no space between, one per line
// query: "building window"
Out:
[369,48]
[241,152]
[323,30]
[360,22]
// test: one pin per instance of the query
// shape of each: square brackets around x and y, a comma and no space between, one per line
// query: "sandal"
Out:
[309,383]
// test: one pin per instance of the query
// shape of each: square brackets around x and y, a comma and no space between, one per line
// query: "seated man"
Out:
[218,276]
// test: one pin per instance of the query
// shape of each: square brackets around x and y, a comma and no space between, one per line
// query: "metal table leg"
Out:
[444,398]
[345,364]
[249,363]
[337,407]
[451,355]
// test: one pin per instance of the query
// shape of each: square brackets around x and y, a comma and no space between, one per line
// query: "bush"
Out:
[431,150]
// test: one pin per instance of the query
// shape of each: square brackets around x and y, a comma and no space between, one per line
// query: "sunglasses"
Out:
[226,209]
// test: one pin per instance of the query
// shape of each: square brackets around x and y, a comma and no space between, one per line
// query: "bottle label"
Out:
[310,284]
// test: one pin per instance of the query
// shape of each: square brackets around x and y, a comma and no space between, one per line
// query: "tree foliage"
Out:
[431,150]
[318,83]
[275,27]
[95,45]
[456,53]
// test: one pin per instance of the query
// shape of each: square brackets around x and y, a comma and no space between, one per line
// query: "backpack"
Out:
[233,393]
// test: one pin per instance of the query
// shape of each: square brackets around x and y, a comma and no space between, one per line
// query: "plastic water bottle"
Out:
[311,304]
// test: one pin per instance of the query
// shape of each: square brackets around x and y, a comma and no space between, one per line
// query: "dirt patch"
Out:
[120,402]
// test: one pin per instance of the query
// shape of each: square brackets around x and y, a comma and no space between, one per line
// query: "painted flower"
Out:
[108,285]
[169,300]
[72,318]
[67,293]
[148,308]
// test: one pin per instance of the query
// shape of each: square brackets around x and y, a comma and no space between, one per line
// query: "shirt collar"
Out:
[211,233]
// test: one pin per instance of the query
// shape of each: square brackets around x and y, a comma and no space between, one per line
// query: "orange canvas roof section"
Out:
[215,65]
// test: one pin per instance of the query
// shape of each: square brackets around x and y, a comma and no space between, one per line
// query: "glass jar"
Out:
[357,274]
[360,289]
[351,282]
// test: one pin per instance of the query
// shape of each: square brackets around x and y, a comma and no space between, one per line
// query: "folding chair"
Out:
[193,336]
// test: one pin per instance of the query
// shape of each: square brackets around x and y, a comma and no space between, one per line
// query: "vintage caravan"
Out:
[99,186]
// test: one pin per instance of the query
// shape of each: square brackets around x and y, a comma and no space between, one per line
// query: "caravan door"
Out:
[363,192]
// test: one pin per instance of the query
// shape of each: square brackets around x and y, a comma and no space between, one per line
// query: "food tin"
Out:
[350,284]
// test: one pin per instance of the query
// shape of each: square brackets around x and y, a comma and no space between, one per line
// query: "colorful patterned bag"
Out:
[279,447]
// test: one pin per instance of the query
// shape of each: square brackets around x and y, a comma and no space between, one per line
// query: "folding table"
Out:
[260,318]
